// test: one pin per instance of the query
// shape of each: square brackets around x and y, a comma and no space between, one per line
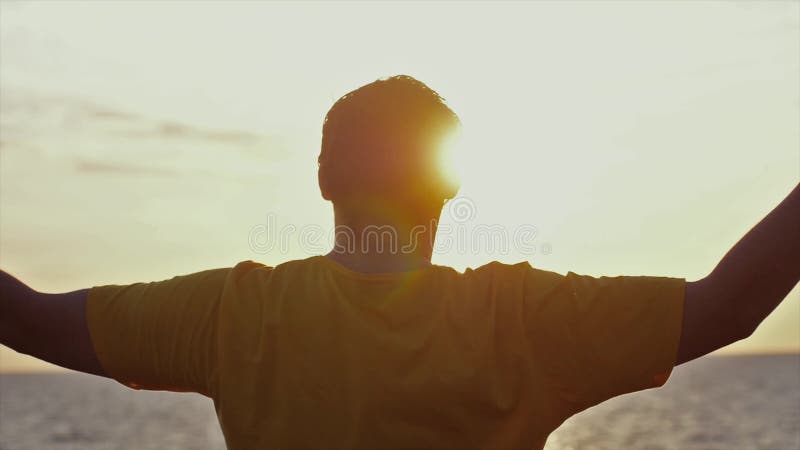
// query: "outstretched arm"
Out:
[746,286]
[51,327]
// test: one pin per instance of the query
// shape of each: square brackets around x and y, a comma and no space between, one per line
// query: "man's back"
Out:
[309,354]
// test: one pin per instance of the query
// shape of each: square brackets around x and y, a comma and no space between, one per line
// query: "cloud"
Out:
[101,140]
[102,167]
[168,129]
[104,113]
[24,110]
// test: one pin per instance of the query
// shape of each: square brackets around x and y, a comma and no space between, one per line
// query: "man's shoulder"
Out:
[495,267]
[522,273]
[255,268]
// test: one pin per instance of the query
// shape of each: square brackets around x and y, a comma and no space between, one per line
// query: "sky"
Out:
[142,140]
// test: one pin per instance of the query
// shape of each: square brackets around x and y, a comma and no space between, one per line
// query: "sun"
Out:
[455,157]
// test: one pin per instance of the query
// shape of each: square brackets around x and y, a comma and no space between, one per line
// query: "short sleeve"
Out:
[599,337]
[159,335]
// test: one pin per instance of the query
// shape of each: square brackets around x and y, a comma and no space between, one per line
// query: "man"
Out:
[371,345]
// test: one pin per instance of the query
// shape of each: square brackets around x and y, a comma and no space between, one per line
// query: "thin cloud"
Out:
[102,167]
[21,108]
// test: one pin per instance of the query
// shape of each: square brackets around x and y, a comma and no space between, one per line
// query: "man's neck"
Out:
[379,263]
[383,248]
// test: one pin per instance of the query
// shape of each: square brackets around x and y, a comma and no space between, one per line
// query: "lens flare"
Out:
[451,158]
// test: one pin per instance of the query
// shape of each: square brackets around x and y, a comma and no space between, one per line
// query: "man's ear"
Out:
[450,189]
[324,182]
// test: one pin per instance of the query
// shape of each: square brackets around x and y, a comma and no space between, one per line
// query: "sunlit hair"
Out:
[384,139]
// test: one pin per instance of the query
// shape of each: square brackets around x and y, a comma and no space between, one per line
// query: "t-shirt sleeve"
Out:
[159,335]
[599,337]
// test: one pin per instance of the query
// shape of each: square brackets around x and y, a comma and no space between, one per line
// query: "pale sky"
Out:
[144,140]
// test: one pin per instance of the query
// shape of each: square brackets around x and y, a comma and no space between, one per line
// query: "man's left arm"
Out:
[746,286]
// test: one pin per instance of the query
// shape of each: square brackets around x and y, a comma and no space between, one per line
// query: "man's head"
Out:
[382,143]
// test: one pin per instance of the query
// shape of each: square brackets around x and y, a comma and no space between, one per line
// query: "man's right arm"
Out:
[51,327]
[746,286]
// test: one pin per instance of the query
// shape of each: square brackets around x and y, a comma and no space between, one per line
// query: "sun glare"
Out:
[453,158]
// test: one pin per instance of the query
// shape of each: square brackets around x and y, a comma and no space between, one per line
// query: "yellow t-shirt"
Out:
[309,354]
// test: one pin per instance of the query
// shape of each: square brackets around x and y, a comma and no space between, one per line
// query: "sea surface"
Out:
[721,402]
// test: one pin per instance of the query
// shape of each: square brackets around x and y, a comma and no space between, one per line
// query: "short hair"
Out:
[383,139]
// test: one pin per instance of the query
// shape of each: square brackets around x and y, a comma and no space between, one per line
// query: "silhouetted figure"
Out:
[372,346]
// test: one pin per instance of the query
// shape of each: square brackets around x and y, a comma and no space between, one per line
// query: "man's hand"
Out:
[746,286]
[51,327]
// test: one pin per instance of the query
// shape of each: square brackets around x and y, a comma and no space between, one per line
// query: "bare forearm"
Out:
[51,327]
[761,269]
[14,298]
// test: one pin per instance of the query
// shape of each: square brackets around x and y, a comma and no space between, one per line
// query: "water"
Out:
[722,402]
